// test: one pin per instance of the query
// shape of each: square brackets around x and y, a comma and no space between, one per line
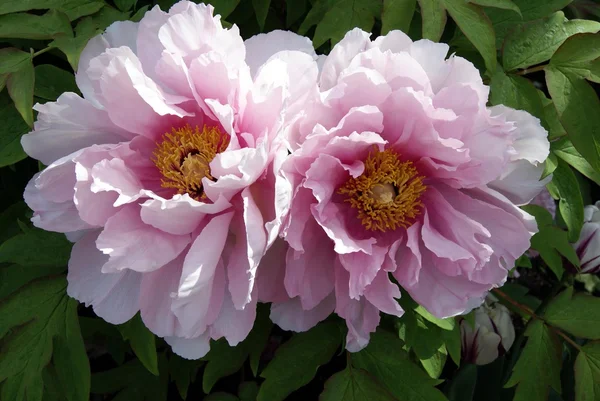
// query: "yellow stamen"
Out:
[387,194]
[183,156]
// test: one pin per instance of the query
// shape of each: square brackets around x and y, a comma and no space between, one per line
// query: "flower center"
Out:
[387,194]
[183,155]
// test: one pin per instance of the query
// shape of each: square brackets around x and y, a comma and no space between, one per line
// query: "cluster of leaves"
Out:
[541,56]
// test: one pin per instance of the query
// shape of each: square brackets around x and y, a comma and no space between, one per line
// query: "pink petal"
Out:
[290,315]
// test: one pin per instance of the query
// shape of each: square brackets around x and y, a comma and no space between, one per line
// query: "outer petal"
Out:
[190,348]
[290,315]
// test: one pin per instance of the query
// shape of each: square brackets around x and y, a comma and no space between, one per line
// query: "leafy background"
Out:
[542,56]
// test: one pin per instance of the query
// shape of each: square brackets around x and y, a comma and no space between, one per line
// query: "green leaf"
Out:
[462,386]
[9,220]
[13,127]
[30,26]
[353,384]
[434,18]
[20,89]
[294,10]
[72,47]
[221,396]
[516,92]
[39,323]
[578,109]
[261,8]
[565,184]
[258,338]
[51,249]
[12,60]
[139,14]
[13,277]
[577,314]
[248,391]
[183,372]
[51,82]
[503,4]
[452,342]
[536,42]
[385,359]
[125,5]
[476,26]
[435,364]
[334,18]
[223,360]
[580,54]
[397,14]
[587,373]
[550,164]
[446,324]
[225,7]
[142,342]
[423,337]
[538,367]
[296,361]
[552,122]
[564,149]
[72,8]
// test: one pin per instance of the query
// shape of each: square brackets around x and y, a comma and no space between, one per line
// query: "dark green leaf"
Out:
[462,386]
[13,277]
[261,8]
[434,18]
[452,342]
[142,342]
[564,149]
[294,10]
[423,337]
[385,359]
[296,361]
[578,109]
[223,360]
[139,14]
[51,249]
[20,89]
[220,396]
[551,120]
[125,5]
[12,60]
[258,338]
[566,186]
[51,82]
[538,368]
[35,322]
[397,14]
[577,314]
[503,4]
[536,42]
[13,127]
[476,26]
[226,7]
[516,92]
[580,54]
[353,384]
[9,218]
[30,26]
[72,8]
[183,372]
[587,373]
[248,391]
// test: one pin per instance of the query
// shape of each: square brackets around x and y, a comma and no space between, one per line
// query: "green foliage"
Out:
[397,14]
[587,373]
[29,26]
[51,82]
[516,92]
[20,89]
[565,187]
[52,249]
[142,342]
[296,362]
[13,128]
[72,8]
[564,149]
[182,372]
[538,368]
[434,19]
[354,384]
[578,314]
[37,324]
[462,386]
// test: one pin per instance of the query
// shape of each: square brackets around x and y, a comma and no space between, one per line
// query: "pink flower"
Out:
[588,244]
[399,167]
[163,173]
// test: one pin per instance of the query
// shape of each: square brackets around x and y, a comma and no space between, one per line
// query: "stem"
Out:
[566,338]
[40,51]
[531,70]
[516,304]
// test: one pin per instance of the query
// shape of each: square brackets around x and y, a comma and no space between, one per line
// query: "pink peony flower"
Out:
[163,172]
[588,244]
[398,167]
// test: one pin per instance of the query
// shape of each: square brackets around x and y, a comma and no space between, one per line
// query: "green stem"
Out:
[40,51]
[531,70]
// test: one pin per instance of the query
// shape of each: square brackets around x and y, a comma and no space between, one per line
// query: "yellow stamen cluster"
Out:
[183,156]
[387,194]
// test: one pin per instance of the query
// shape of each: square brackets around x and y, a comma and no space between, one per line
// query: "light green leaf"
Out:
[476,26]
[226,7]
[550,164]
[385,359]
[543,349]
[397,14]
[36,322]
[142,342]
[296,361]
[580,54]
[72,8]
[565,184]
[353,384]
[20,89]
[516,92]
[564,149]
[452,343]
[261,8]
[446,324]
[334,18]
[30,26]
[12,60]
[51,249]
[434,18]
[578,109]
[435,364]
[587,373]
[72,47]
[51,82]
[552,122]
[13,127]
[183,372]
[536,42]
[503,4]
[577,314]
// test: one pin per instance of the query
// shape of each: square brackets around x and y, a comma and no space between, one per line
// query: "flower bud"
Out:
[491,336]
[588,245]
